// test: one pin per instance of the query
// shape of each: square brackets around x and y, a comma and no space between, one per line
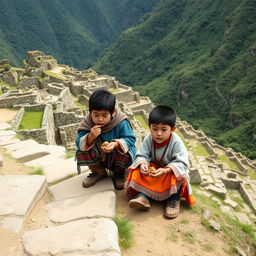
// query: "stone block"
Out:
[93,236]
[231,203]
[221,192]
[20,145]
[195,177]
[73,187]
[29,153]
[60,170]
[88,206]
[4,126]
[18,192]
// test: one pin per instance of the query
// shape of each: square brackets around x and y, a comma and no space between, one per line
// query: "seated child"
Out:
[160,168]
[105,124]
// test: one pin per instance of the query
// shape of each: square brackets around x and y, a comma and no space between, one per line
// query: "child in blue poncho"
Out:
[105,140]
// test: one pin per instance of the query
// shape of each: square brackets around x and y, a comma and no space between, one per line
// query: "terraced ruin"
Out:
[61,94]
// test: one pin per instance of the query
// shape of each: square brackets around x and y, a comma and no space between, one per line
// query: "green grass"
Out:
[184,221]
[172,234]
[235,233]
[190,237]
[208,247]
[38,171]
[18,69]
[12,88]
[200,150]
[125,231]
[80,105]
[31,120]
[251,173]
[49,73]
[69,155]
[114,90]
[231,164]
[182,137]
[142,121]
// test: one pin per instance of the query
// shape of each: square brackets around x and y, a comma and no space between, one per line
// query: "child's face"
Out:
[161,132]
[101,117]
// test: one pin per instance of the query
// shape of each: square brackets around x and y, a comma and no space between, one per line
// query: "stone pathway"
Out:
[83,217]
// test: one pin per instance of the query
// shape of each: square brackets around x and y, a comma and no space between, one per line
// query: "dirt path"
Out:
[7,114]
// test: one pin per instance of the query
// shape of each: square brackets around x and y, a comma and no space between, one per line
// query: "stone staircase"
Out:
[82,217]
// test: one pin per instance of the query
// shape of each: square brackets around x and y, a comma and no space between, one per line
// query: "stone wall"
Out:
[76,88]
[210,145]
[247,197]
[147,107]
[68,134]
[10,77]
[46,134]
[127,96]
[54,88]
[18,99]
[48,124]
[17,119]
[66,98]
[29,82]
[65,118]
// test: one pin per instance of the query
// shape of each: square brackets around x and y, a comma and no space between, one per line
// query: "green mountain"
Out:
[200,57]
[74,31]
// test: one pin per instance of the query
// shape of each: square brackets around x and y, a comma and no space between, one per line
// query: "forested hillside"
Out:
[200,57]
[74,31]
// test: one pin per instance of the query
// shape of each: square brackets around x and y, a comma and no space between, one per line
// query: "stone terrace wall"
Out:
[127,96]
[10,99]
[68,135]
[64,118]
[17,119]
[66,98]
[29,82]
[210,145]
[54,88]
[46,134]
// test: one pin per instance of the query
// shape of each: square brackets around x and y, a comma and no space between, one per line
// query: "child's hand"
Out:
[110,147]
[95,131]
[161,171]
[144,168]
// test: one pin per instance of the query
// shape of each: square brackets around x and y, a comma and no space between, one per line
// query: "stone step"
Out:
[87,206]
[20,145]
[85,237]
[46,160]
[6,133]
[7,140]
[4,126]
[18,193]
[73,187]
[61,170]
[29,153]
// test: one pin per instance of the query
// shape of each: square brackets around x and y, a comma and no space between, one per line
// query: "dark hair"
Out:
[162,114]
[102,100]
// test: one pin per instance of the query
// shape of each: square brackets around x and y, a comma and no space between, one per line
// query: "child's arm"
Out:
[85,139]
[178,161]
[143,156]
[94,133]
[126,138]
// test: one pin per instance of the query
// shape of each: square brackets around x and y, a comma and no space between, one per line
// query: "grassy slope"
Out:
[198,56]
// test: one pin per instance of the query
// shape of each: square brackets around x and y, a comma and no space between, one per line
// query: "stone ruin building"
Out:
[43,84]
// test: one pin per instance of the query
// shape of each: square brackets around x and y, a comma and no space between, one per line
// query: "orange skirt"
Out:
[158,188]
